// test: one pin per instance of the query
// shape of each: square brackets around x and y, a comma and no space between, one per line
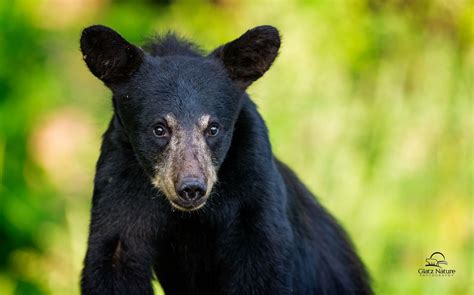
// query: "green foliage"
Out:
[369,101]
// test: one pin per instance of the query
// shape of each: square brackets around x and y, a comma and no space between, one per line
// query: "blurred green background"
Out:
[369,101]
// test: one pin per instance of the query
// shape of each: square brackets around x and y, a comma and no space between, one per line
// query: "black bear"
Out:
[187,187]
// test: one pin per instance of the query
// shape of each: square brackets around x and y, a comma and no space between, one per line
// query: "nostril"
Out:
[193,193]
[192,189]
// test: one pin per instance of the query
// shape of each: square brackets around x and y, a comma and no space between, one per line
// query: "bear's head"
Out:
[176,106]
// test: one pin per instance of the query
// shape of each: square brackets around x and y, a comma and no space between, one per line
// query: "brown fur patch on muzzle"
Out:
[186,155]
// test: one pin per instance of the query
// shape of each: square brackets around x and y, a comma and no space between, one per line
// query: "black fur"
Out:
[261,231]
[250,56]
[108,56]
[170,44]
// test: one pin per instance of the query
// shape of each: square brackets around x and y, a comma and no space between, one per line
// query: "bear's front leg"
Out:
[117,264]
[120,251]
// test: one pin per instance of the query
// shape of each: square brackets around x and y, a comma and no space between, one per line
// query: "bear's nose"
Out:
[191,189]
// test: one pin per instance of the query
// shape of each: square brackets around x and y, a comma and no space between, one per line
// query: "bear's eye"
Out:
[160,131]
[213,129]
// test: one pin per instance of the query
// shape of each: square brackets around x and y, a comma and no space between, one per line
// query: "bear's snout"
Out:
[185,172]
[191,189]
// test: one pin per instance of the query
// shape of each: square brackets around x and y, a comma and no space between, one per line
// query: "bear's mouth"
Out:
[186,205]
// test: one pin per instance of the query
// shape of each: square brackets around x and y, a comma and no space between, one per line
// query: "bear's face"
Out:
[179,111]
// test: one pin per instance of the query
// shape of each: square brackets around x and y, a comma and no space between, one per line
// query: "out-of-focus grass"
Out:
[369,101]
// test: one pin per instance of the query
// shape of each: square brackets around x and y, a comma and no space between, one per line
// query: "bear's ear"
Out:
[247,58]
[109,56]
